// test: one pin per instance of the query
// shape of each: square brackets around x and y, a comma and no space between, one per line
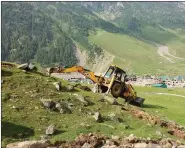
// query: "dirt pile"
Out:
[97,140]
[92,140]
[174,129]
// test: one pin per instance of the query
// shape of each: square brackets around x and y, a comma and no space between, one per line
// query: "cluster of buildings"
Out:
[158,81]
[146,80]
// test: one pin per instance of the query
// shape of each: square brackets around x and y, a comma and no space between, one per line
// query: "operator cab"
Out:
[119,73]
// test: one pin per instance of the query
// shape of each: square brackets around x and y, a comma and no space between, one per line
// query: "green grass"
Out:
[171,107]
[23,90]
[156,35]
[174,39]
[134,55]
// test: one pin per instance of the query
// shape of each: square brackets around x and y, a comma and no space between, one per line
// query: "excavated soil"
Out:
[98,140]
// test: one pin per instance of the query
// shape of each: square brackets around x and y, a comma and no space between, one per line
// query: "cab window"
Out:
[109,73]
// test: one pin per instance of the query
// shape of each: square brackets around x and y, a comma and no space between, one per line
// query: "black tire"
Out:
[116,90]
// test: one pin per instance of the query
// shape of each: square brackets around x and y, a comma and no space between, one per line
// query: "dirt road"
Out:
[163,50]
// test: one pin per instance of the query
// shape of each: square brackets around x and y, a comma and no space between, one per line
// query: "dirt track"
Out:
[163,50]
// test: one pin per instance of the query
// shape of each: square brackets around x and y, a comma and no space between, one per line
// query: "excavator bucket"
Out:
[138,101]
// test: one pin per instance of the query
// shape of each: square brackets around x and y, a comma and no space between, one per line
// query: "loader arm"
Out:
[80,69]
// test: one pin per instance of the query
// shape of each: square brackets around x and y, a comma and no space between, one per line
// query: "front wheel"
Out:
[116,90]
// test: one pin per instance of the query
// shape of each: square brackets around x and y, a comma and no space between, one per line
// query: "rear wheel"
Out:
[116,90]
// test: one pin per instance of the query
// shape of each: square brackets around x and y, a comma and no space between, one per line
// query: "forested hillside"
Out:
[48,32]
[29,33]
[44,31]
[131,14]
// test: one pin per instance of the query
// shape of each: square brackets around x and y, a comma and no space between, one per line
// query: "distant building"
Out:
[132,77]
[160,85]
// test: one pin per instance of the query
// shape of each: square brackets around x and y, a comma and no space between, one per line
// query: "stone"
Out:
[48,103]
[113,117]
[168,145]
[43,137]
[57,85]
[165,141]
[151,145]
[131,138]
[95,88]
[64,109]
[109,146]
[115,137]
[178,142]
[181,146]
[86,145]
[24,71]
[58,106]
[128,145]
[23,66]
[29,144]
[50,130]
[70,105]
[31,66]
[140,145]
[82,99]
[163,124]
[97,116]
[180,127]
[18,108]
[70,88]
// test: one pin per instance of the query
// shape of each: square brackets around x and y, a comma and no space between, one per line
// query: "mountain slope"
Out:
[168,14]
[29,33]
[25,117]
[135,55]
[50,33]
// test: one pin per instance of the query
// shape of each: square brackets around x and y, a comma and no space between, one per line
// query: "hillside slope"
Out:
[49,33]
[130,14]
[135,55]
[25,117]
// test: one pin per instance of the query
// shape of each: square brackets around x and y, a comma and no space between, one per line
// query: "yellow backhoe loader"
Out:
[114,80]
